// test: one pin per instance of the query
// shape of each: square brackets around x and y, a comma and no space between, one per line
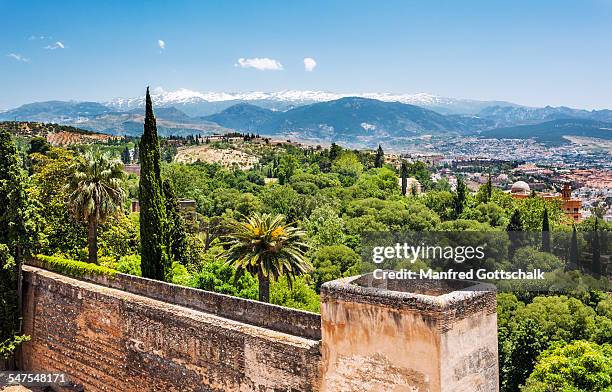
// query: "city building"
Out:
[571,206]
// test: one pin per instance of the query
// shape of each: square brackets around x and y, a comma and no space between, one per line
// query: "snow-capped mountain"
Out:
[197,103]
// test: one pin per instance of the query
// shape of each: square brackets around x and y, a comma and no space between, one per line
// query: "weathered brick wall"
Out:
[277,318]
[113,340]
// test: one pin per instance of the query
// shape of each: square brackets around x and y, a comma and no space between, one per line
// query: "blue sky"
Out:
[530,52]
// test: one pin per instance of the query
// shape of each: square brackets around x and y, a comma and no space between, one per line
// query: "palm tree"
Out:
[265,246]
[95,192]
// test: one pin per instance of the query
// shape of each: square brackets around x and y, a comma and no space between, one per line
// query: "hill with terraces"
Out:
[56,134]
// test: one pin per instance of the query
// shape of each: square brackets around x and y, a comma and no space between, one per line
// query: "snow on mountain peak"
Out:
[163,97]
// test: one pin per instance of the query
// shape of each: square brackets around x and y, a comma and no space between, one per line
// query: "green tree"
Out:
[404,177]
[348,167]
[573,251]
[514,229]
[125,156]
[281,199]
[19,227]
[267,247]
[177,234]
[298,295]
[532,210]
[529,258]
[333,262]
[39,145]
[287,166]
[379,161]
[95,192]
[460,197]
[596,265]
[518,352]
[580,366]
[485,192]
[442,202]
[334,152]
[62,232]
[325,227]
[136,152]
[154,258]
[516,221]
[488,212]
[545,231]
[419,171]
[442,185]
[222,278]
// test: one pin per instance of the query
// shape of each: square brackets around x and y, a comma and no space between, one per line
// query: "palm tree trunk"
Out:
[92,240]
[264,287]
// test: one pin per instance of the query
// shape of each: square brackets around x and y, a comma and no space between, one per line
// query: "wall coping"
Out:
[278,318]
[349,289]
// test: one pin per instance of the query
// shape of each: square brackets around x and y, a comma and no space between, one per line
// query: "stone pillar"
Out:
[408,336]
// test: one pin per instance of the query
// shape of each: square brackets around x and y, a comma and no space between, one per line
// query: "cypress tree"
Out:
[545,232]
[516,221]
[459,199]
[379,161]
[155,263]
[596,250]
[573,251]
[404,176]
[514,229]
[489,188]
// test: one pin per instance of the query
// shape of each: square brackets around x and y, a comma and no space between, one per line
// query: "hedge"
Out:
[72,267]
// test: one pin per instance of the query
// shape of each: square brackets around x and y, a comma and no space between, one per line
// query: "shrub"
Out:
[73,268]
[129,265]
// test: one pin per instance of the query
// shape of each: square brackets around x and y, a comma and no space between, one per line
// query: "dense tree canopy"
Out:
[19,227]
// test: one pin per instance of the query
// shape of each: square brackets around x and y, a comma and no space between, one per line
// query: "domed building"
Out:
[520,189]
[571,206]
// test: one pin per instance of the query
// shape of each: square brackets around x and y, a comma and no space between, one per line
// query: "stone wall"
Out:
[113,340]
[132,334]
[422,337]
[277,318]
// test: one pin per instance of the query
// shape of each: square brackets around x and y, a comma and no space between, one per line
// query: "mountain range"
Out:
[319,116]
[197,104]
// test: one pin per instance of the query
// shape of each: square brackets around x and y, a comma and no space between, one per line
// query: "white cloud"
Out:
[56,45]
[262,64]
[162,44]
[309,64]
[18,57]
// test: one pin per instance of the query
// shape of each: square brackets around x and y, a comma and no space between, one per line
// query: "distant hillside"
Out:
[54,111]
[56,134]
[99,118]
[345,119]
[509,116]
[245,117]
[552,132]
